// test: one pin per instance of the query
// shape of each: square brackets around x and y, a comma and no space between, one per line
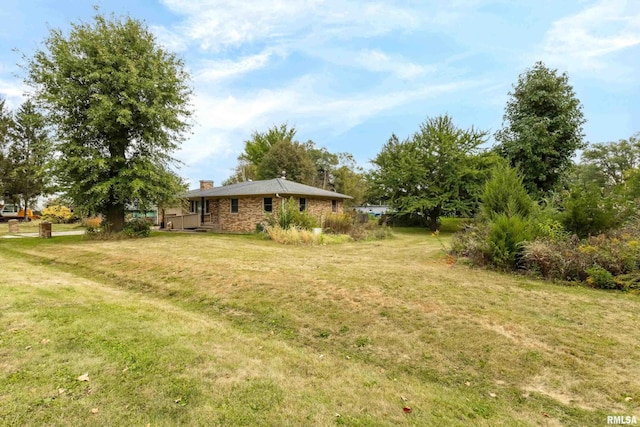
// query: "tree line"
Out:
[109,107]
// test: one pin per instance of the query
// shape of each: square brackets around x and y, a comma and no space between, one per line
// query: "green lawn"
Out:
[205,329]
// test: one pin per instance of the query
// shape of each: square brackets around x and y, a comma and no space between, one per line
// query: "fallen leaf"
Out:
[125,369]
[178,400]
[61,391]
[321,356]
[45,341]
[95,410]
[467,383]
[337,415]
[403,398]
[492,394]
[628,399]
[500,382]
[407,410]
[544,414]
[28,347]
[84,377]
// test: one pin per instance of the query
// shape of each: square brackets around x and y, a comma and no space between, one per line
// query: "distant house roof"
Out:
[374,209]
[278,186]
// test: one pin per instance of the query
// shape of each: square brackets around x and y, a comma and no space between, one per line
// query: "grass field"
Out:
[205,329]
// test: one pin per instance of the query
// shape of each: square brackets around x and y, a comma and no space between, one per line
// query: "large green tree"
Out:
[256,148]
[439,170]
[119,103]
[289,157]
[29,156]
[614,159]
[260,143]
[542,127]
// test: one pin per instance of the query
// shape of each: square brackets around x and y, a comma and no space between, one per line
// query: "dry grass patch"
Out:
[353,329]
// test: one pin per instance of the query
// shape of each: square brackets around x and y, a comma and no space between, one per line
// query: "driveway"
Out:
[53,234]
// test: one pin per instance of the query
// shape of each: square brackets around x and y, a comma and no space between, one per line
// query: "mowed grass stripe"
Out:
[410,323]
[149,361]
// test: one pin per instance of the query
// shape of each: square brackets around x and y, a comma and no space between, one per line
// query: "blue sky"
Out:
[348,73]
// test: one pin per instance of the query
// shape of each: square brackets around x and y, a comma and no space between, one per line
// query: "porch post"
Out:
[201,210]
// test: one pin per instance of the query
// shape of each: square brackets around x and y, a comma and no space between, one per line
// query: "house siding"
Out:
[251,212]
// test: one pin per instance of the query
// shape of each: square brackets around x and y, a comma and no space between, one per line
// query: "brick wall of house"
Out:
[251,212]
[320,208]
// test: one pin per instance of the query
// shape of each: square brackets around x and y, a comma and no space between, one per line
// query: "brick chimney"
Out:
[206,185]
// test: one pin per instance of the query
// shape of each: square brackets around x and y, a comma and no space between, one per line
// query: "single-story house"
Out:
[238,208]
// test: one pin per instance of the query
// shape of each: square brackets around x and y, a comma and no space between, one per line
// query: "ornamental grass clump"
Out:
[289,215]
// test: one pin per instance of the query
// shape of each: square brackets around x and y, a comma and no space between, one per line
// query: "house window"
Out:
[234,205]
[268,204]
[334,206]
[303,204]
[207,207]
[195,206]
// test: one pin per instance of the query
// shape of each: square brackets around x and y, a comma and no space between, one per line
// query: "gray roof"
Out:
[278,186]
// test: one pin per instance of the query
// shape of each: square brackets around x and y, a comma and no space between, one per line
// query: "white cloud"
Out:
[220,24]
[238,39]
[375,60]
[13,92]
[169,38]
[214,70]
[587,41]
[226,121]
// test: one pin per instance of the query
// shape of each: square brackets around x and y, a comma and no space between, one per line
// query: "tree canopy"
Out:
[614,159]
[439,170]
[542,127]
[6,121]
[119,104]
[29,156]
[260,143]
[288,157]
[267,154]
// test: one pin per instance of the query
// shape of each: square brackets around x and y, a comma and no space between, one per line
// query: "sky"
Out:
[349,73]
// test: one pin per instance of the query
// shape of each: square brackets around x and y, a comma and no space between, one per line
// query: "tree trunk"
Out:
[433,221]
[115,217]
[26,209]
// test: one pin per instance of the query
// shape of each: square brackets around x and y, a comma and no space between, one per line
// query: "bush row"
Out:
[513,233]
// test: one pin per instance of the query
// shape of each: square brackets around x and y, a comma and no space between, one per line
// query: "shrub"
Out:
[288,215]
[600,278]
[471,243]
[57,214]
[557,259]
[338,223]
[93,222]
[505,238]
[504,193]
[573,259]
[292,235]
[137,227]
[588,212]
[546,226]
[381,233]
